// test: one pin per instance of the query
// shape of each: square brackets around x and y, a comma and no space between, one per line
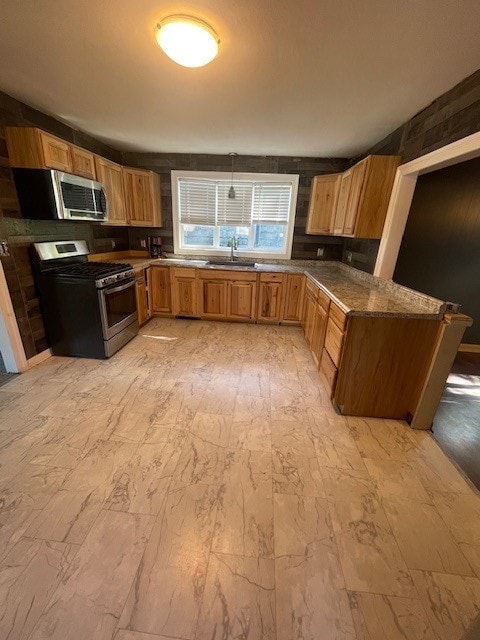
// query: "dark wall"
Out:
[452,116]
[21,233]
[304,246]
[440,250]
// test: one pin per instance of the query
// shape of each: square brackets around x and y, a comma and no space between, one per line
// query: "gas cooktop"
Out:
[90,270]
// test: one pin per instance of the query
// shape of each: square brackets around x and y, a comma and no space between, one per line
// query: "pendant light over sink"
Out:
[231,191]
[188,41]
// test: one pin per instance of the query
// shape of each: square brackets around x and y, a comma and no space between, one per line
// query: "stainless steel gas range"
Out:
[89,308]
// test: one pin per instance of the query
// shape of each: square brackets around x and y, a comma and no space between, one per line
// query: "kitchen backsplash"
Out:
[304,246]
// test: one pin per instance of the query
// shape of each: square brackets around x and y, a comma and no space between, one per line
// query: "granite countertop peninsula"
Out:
[357,293]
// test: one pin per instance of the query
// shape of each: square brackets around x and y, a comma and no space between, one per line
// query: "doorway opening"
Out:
[439,254]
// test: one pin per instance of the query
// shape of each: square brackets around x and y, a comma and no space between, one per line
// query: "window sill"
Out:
[226,254]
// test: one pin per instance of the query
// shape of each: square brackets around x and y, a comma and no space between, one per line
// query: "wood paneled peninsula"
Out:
[375,343]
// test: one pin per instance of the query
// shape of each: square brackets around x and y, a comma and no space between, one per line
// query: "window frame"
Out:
[180,249]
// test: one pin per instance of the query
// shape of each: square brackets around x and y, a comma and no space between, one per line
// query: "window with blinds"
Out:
[259,219]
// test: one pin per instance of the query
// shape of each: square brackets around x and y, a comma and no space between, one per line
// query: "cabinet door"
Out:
[213,298]
[83,163]
[358,173]
[293,298]
[320,318]
[241,300]
[142,194]
[342,202]
[269,301]
[183,295]
[323,201]
[138,196]
[309,318]
[110,175]
[160,290]
[56,153]
[142,304]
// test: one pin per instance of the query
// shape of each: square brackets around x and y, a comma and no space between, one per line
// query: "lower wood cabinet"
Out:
[213,299]
[160,290]
[270,297]
[328,373]
[226,295]
[294,284]
[184,292]
[241,300]
[143,306]
[334,341]
[370,365]
[320,319]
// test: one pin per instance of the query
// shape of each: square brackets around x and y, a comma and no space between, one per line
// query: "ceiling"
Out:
[293,77]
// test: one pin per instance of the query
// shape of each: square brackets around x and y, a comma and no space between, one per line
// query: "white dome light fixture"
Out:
[187,41]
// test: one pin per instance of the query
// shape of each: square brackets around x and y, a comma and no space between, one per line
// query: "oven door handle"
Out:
[130,283]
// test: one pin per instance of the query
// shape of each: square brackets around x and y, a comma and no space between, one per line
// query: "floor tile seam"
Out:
[473,574]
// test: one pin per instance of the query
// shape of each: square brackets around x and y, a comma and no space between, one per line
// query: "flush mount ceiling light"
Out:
[187,41]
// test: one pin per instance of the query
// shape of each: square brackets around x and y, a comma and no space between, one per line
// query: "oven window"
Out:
[119,305]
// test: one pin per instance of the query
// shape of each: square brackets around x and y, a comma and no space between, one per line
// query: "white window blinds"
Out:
[206,202]
[271,203]
[235,212]
[197,201]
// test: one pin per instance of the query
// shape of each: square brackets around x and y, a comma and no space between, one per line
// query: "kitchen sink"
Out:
[229,263]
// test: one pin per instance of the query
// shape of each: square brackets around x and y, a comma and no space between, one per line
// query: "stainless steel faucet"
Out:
[233,247]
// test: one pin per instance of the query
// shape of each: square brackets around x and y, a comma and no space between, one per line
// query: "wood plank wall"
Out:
[452,116]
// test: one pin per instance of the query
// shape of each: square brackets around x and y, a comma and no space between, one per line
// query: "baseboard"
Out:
[469,348]
[40,357]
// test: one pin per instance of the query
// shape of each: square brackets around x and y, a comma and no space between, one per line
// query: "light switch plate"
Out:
[143,244]
[320,253]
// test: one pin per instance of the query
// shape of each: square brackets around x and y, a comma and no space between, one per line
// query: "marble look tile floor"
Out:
[199,486]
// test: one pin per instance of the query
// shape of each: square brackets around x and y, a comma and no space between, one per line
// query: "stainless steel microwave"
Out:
[47,194]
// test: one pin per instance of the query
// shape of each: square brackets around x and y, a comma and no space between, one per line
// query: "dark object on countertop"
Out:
[154,246]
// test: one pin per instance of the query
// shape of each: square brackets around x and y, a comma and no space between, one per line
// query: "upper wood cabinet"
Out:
[133,194]
[342,202]
[83,163]
[361,197]
[110,174]
[33,148]
[376,182]
[142,193]
[323,201]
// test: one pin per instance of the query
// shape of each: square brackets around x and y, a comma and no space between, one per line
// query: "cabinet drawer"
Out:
[328,372]
[334,341]
[230,275]
[271,277]
[337,315]
[323,300]
[182,272]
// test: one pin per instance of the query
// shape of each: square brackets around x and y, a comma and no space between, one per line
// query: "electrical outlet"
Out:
[113,244]
[143,244]
[320,253]
[349,256]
